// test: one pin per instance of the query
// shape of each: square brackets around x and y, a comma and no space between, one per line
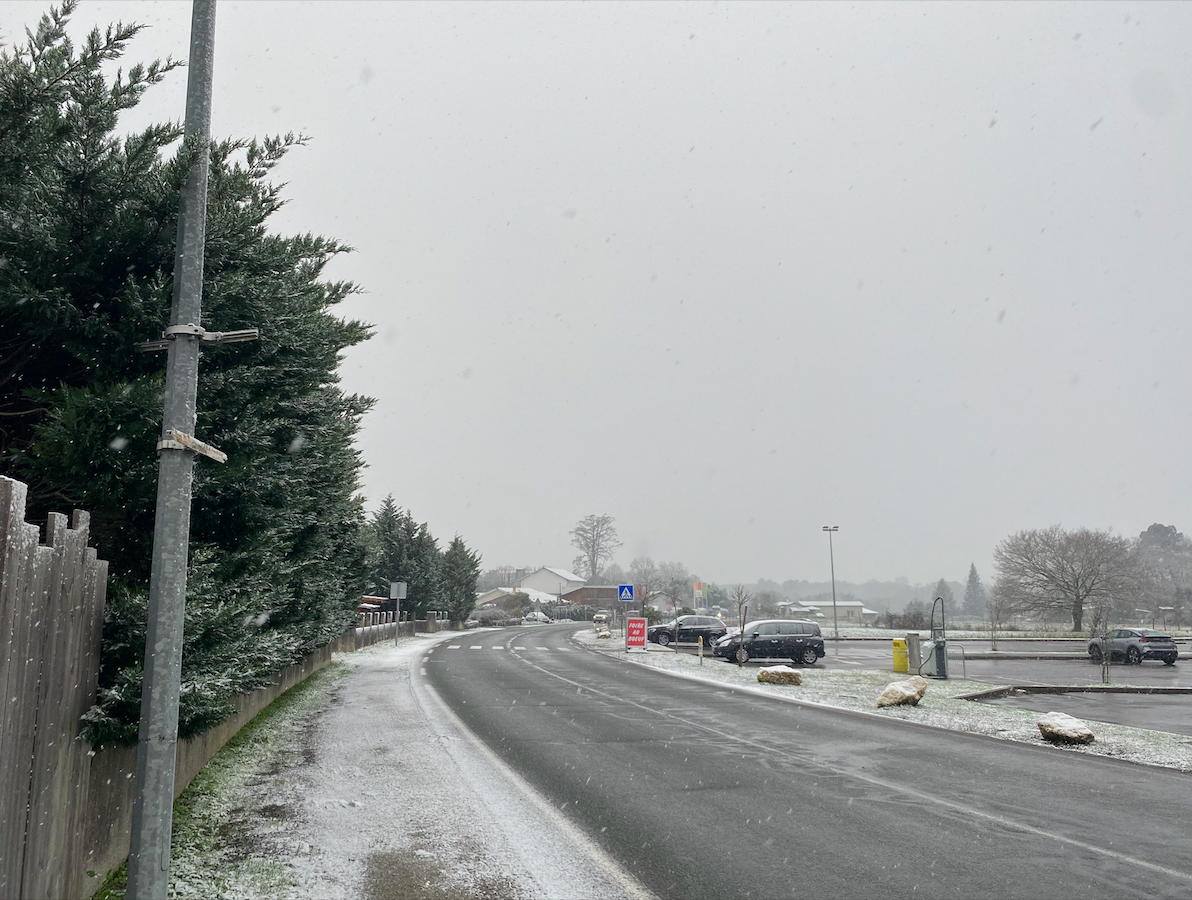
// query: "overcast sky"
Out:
[732,272]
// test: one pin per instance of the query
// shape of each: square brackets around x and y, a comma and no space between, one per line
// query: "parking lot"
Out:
[1159,712]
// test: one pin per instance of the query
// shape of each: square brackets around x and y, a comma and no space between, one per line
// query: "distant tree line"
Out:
[405,550]
[1092,577]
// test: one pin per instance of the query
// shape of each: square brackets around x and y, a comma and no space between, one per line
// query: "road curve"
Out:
[704,791]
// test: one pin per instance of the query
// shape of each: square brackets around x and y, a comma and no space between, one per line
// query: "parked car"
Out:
[536,618]
[689,630]
[1133,645]
[795,639]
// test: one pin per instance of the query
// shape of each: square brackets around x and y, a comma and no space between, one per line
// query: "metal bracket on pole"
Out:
[183,441]
[195,331]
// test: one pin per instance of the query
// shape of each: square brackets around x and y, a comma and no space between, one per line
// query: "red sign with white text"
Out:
[635,634]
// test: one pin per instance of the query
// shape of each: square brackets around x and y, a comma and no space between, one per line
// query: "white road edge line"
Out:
[603,861]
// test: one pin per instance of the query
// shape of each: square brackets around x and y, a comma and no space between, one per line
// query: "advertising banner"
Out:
[635,634]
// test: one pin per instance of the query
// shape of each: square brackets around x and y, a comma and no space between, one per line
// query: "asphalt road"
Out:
[702,791]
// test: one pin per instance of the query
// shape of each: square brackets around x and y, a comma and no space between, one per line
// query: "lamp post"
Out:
[832,561]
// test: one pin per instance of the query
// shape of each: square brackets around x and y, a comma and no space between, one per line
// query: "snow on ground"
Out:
[355,784]
[858,689]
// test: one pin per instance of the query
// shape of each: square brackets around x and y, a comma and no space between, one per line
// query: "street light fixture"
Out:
[832,560]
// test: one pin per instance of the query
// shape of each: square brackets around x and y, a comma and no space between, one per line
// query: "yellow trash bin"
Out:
[900,660]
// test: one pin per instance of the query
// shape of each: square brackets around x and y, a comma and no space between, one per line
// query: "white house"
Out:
[550,581]
[497,593]
[848,612]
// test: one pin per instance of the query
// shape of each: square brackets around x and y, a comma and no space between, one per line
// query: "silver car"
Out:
[1133,645]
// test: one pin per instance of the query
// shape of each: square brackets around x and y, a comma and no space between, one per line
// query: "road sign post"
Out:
[397,593]
[625,595]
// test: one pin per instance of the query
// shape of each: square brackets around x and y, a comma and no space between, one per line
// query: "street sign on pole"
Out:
[397,593]
[625,593]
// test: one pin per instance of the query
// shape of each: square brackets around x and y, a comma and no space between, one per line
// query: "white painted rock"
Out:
[1061,728]
[779,675]
[908,692]
[603,634]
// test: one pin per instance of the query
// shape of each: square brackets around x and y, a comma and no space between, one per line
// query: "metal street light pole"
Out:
[832,560]
[153,799]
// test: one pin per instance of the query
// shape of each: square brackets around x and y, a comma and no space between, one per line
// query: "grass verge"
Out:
[212,847]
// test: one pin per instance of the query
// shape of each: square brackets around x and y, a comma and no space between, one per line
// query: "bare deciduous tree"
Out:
[996,606]
[1055,570]
[596,538]
[739,597]
[647,580]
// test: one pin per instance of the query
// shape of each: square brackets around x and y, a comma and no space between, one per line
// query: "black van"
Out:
[795,639]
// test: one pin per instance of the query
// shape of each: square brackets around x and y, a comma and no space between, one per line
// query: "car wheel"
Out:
[742,655]
[1133,657]
[808,656]
[1095,653]
[664,639]
[1169,661]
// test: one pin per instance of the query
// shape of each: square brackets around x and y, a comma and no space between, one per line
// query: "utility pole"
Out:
[153,799]
[832,560]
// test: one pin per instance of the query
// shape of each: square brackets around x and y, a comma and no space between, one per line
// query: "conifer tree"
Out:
[974,594]
[405,550]
[943,589]
[461,568]
[87,228]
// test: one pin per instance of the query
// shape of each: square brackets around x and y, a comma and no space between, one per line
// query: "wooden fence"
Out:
[66,808]
[51,621]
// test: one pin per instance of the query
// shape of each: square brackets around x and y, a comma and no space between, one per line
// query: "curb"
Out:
[1006,690]
[1023,654]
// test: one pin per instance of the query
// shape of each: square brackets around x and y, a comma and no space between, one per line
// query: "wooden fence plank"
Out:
[13,770]
[45,842]
[22,578]
[95,596]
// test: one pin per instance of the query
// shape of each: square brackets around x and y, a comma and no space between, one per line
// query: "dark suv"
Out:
[795,639]
[689,630]
[1133,645]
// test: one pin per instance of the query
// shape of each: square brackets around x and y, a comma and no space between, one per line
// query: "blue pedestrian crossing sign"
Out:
[625,593]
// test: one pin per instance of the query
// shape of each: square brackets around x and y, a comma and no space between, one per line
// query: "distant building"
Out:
[602,596]
[550,581]
[498,593]
[848,612]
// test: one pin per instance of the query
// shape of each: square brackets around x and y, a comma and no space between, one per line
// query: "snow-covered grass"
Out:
[215,850]
[970,634]
[858,689]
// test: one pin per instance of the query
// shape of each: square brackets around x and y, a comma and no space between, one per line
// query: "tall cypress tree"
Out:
[405,550]
[87,227]
[974,594]
[461,568]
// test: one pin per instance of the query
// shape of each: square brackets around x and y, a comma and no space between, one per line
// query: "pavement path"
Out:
[705,791]
[375,792]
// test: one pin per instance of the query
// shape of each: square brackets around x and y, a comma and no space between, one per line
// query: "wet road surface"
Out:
[704,791]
